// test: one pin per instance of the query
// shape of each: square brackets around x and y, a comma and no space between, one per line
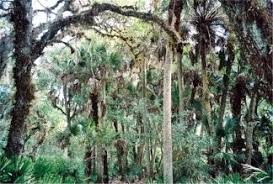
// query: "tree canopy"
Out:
[158,91]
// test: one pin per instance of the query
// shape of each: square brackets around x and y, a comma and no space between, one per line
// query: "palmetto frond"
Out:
[207,21]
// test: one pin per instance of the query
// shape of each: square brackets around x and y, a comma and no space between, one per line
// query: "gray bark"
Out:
[6,44]
[167,124]
[249,129]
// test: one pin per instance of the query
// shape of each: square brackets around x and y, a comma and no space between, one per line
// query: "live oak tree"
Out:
[22,19]
[28,48]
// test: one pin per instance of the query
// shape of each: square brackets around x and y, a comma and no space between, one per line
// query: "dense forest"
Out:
[136,91]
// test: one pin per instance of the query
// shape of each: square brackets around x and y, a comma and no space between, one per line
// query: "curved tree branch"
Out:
[86,18]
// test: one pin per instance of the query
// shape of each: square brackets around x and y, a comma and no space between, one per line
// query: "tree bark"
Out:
[249,129]
[122,152]
[238,94]
[179,56]
[22,19]
[167,113]
[205,95]
[89,160]
[140,147]
[219,128]
[105,166]
[98,107]
[67,104]
[174,15]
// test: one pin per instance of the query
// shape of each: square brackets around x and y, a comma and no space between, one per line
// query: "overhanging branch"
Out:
[86,18]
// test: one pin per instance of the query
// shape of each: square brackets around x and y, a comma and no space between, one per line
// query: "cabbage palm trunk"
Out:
[174,14]
[250,128]
[205,93]
[236,99]
[179,56]
[226,79]
[167,123]
[102,155]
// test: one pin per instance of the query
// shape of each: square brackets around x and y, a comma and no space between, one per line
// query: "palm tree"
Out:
[207,22]
[174,14]
[167,114]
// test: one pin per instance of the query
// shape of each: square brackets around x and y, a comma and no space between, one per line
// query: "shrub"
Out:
[188,160]
[50,169]
[230,179]
[44,166]
[16,170]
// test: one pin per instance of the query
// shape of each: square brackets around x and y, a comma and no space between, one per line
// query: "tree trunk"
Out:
[67,104]
[219,128]
[238,94]
[104,156]
[22,19]
[98,113]
[167,113]
[140,147]
[205,96]
[122,152]
[249,129]
[102,164]
[99,161]
[179,56]
[206,108]
[89,160]
[174,14]
[146,123]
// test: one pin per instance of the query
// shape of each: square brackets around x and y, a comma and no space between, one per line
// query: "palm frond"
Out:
[207,20]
